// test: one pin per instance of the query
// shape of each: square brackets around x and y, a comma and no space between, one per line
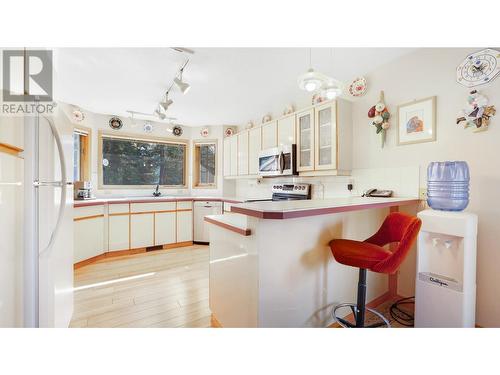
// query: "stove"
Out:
[291,192]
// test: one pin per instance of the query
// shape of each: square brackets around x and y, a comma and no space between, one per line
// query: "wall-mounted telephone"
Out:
[378,193]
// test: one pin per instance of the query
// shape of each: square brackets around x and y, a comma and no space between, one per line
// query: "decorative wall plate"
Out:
[148,128]
[479,68]
[228,132]
[204,132]
[177,131]
[249,125]
[115,123]
[288,110]
[78,115]
[358,87]
[477,112]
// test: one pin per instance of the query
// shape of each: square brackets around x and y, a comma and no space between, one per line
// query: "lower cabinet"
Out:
[141,230]
[165,225]
[85,245]
[119,232]
[184,226]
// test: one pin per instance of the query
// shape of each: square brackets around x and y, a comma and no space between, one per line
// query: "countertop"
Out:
[165,198]
[304,208]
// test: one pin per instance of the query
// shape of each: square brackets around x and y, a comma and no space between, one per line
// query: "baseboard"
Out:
[214,323]
[119,253]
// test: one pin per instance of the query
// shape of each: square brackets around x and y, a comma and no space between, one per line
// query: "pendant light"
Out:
[333,87]
[311,80]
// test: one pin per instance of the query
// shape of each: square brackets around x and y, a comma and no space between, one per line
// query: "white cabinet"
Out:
[141,230]
[88,238]
[12,131]
[119,232]
[286,130]
[165,228]
[184,226]
[269,135]
[254,147]
[227,157]
[325,134]
[243,153]
[234,155]
[305,140]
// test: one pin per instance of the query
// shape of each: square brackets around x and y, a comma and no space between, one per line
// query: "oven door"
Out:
[278,161]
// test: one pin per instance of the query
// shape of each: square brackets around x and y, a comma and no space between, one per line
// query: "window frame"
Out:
[137,137]
[196,165]
[85,153]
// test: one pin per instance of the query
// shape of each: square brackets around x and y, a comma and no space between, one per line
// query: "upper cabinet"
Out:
[305,140]
[286,130]
[254,147]
[325,137]
[322,133]
[243,153]
[269,135]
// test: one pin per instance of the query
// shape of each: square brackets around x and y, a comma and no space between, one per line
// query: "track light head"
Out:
[183,86]
[166,104]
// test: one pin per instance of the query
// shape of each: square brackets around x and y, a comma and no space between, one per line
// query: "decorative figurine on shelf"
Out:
[380,115]
[477,112]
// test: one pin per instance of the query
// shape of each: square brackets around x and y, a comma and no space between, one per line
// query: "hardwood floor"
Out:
[164,288]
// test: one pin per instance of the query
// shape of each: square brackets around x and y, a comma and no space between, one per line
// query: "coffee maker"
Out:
[83,190]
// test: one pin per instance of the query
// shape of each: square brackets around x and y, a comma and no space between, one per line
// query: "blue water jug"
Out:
[448,185]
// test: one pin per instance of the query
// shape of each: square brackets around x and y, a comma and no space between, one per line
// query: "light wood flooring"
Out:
[164,288]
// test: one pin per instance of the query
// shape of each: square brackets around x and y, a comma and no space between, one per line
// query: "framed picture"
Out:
[417,121]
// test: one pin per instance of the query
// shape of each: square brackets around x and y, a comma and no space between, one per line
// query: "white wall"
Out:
[424,73]
[99,122]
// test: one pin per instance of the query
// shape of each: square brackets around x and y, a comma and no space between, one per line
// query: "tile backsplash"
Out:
[404,181]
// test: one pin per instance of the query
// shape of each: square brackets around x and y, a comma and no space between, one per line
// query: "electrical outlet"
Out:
[422,194]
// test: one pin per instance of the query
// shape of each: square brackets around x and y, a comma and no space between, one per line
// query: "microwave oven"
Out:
[278,161]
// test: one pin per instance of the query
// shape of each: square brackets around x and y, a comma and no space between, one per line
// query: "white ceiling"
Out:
[229,85]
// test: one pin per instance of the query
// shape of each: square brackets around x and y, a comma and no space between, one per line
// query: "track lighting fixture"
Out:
[311,80]
[183,86]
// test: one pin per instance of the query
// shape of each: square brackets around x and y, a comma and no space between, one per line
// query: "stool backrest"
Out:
[397,227]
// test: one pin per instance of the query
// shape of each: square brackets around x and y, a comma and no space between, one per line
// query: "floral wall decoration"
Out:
[477,112]
[380,117]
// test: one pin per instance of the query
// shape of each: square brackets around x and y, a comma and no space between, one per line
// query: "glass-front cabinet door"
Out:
[325,137]
[305,140]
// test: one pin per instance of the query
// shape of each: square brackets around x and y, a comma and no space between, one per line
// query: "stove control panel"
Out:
[292,189]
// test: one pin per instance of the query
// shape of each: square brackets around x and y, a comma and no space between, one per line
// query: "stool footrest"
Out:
[346,324]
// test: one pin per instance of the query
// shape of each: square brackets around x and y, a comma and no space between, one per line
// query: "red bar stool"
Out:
[370,255]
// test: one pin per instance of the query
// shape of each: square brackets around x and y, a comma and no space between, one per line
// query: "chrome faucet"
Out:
[157,193]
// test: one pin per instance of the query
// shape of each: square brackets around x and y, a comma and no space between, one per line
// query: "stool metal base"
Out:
[344,323]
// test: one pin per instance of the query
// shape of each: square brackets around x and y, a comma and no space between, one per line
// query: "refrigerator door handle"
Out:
[63,183]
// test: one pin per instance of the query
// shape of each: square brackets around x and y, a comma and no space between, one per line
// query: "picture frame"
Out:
[417,121]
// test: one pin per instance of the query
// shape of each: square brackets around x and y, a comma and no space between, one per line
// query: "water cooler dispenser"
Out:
[445,293]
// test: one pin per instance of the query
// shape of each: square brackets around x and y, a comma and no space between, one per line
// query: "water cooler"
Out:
[445,293]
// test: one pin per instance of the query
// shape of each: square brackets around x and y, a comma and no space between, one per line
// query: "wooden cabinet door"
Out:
[165,228]
[88,238]
[243,153]
[227,157]
[254,147]
[118,232]
[286,130]
[305,140]
[325,142]
[269,135]
[141,230]
[184,226]
[233,155]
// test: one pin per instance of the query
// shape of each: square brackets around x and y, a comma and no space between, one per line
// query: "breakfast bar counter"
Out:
[271,266]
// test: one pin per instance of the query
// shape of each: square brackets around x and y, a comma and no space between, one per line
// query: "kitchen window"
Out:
[136,162]
[205,165]
[81,154]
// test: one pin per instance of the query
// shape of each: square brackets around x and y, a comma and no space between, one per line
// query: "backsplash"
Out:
[404,181]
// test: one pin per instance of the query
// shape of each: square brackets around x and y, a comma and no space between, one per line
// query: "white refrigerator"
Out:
[48,221]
